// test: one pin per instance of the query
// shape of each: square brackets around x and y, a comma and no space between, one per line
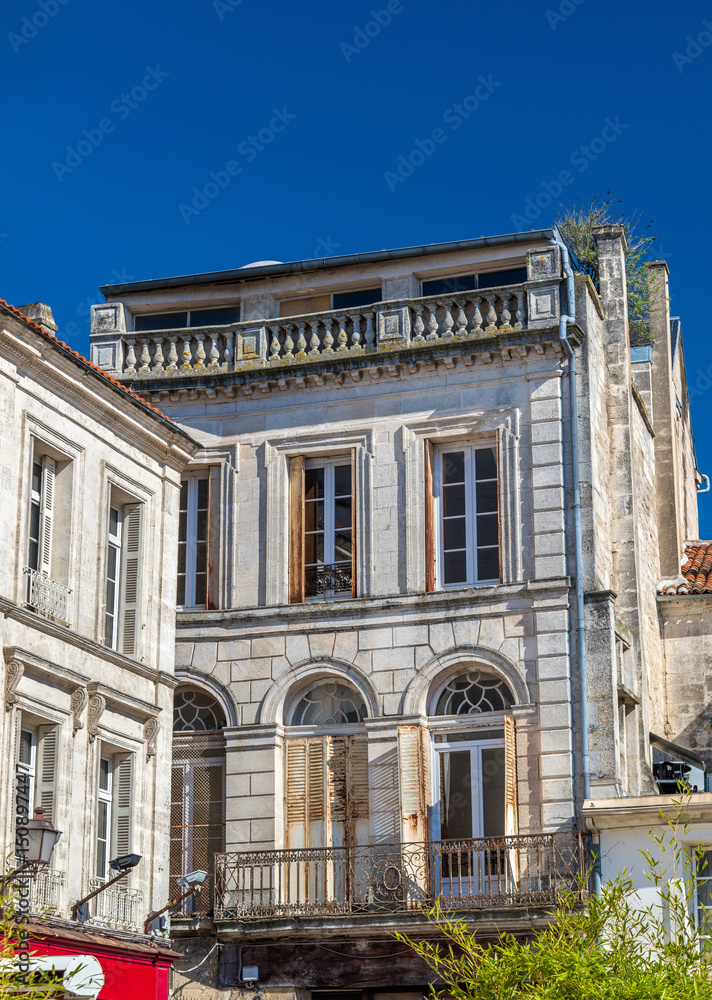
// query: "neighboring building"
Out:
[89,495]
[376,639]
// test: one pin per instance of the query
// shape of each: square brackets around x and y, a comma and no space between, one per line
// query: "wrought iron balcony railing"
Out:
[45,887]
[484,873]
[47,597]
[118,907]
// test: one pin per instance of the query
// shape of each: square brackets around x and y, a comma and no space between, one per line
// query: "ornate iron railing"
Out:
[331,578]
[47,597]
[117,907]
[45,886]
[483,873]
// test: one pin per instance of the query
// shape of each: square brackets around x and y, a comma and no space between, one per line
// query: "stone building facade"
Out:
[89,495]
[378,681]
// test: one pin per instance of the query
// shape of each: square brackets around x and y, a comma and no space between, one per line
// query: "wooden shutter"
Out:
[46,774]
[306,793]
[347,791]
[123,791]
[414,771]
[429,520]
[46,515]
[296,530]
[353,522]
[130,579]
[212,594]
[499,514]
[511,823]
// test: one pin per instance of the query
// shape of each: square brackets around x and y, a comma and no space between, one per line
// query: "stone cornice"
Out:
[64,634]
[46,669]
[143,710]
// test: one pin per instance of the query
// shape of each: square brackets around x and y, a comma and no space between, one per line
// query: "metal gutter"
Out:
[322,263]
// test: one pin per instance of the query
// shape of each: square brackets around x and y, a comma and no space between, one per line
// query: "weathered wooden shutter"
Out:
[296,530]
[429,520]
[499,513]
[46,775]
[347,788]
[511,823]
[123,792]
[46,514]
[306,793]
[414,772]
[212,595]
[130,579]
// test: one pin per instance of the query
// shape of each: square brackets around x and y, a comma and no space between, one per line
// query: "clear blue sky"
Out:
[354,95]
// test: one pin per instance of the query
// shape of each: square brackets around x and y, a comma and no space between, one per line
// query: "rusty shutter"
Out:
[296,530]
[327,791]
[347,783]
[511,823]
[429,520]
[212,595]
[414,772]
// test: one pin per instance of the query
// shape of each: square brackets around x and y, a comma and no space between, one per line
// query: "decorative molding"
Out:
[97,704]
[13,675]
[285,689]
[80,696]
[137,707]
[151,729]
[185,675]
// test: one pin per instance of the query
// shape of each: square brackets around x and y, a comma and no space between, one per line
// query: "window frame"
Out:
[475,748]
[187,312]
[329,466]
[105,796]
[115,543]
[30,769]
[469,448]
[192,541]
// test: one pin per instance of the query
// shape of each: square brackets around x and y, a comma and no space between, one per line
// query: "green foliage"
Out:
[13,987]
[598,948]
[576,224]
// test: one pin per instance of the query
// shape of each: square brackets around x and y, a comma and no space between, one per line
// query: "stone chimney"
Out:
[42,314]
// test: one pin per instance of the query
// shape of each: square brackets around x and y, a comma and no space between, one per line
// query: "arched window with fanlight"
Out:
[474,792]
[326,767]
[197,792]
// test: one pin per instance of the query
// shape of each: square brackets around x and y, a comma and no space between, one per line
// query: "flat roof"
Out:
[321,263]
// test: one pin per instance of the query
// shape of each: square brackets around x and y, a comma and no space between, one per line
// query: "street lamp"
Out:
[41,837]
[123,866]
[191,883]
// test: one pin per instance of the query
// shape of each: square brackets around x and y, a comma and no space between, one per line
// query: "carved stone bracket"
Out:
[79,701]
[13,675]
[150,735]
[97,704]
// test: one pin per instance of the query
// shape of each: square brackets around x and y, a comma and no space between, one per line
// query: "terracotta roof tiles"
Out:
[65,347]
[695,573]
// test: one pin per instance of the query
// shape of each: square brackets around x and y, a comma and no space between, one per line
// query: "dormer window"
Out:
[188,318]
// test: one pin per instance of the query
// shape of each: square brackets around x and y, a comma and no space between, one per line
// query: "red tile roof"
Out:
[695,573]
[65,347]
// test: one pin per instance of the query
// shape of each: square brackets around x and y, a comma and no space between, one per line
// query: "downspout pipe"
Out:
[570,317]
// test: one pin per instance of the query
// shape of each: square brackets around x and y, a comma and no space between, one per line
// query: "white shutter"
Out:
[130,579]
[46,515]
[123,789]
[46,779]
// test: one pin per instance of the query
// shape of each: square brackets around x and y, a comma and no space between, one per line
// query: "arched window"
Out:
[329,703]
[194,711]
[197,793]
[473,692]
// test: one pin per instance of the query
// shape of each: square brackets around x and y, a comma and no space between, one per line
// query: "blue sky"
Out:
[314,104]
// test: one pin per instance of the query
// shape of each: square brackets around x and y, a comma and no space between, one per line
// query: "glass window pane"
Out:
[215,317]
[342,546]
[342,480]
[313,549]
[201,529]
[457,283]
[184,495]
[486,496]
[454,467]
[203,489]
[201,557]
[180,598]
[104,771]
[200,585]
[36,476]
[495,279]
[161,321]
[455,567]
[456,795]
[342,513]
[25,747]
[314,515]
[454,500]
[113,521]
[313,483]
[181,557]
[182,526]
[493,791]
[454,532]
[488,564]
[485,463]
[364,297]
[487,529]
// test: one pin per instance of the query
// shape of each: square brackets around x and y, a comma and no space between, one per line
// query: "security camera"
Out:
[250,975]
[192,878]
[124,862]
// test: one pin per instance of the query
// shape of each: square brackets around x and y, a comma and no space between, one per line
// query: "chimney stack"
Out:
[42,314]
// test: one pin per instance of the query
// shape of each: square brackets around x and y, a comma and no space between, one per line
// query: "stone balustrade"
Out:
[340,333]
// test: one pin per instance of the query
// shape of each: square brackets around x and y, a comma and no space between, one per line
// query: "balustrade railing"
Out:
[46,596]
[327,335]
[116,907]
[45,887]
[464,874]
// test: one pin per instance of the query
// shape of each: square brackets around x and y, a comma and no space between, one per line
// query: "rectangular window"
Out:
[103,823]
[322,549]
[470,282]
[113,816]
[27,764]
[122,577]
[467,519]
[37,760]
[703,894]
[218,316]
[193,542]
[39,555]
[323,303]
